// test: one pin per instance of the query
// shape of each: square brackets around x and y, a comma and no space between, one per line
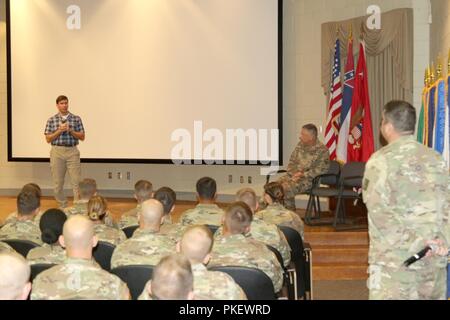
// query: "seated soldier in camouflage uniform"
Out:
[79,277]
[172,280]
[168,197]
[14,277]
[207,211]
[12,217]
[97,211]
[309,159]
[234,249]
[51,252]
[275,212]
[87,189]
[143,191]
[262,231]
[148,245]
[24,228]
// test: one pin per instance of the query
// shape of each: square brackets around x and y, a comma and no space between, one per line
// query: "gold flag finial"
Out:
[448,66]
[350,37]
[428,72]
[439,67]
[432,74]
[425,78]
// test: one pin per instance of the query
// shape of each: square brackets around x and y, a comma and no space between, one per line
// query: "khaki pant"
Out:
[64,159]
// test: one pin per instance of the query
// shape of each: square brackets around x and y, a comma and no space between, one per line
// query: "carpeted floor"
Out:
[340,290]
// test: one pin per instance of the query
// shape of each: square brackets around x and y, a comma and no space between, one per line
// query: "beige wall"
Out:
[440,31]
[303,98]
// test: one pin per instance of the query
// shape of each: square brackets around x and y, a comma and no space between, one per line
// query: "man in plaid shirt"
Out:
[64,131]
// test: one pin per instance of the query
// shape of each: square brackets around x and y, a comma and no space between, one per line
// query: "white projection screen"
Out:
[136,71]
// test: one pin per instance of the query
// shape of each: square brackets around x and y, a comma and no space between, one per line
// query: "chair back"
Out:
[332,176]
[136,277]
[21,246]
[129,231]
[255,283]
[298,258]
[352,174]
[38,268]
[102,254]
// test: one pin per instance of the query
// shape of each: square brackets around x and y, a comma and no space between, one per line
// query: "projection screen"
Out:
[137,72]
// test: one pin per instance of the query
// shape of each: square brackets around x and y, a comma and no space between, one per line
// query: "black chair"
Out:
[302,281]
[212,228]
[255,283]
[286,279]
[129,231]
[38,268]
[329,179]
[102,254]
[273,173]
[352,175]
[21,246]
[136,277]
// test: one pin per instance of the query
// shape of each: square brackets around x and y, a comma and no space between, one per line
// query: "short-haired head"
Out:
[167,197]
[97,208]
[78,233]
[309,133]
[51,225]
[196,243]
[401,115]
[14,277]
[28,202]
[172,279]
[248,196]
[152,212]
[238,218]
[61,98]
[87,188]
[206,188]
[143,190]
[33,187]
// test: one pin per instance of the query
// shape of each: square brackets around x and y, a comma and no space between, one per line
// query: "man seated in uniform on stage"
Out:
[309,159]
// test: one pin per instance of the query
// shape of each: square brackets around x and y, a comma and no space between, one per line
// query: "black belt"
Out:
[64,145]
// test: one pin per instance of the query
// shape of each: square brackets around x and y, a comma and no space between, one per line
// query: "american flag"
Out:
[335,106]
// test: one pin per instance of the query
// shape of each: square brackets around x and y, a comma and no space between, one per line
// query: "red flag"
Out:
[360,140]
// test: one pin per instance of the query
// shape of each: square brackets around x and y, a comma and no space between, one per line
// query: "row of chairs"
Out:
[297,277]
[339,182]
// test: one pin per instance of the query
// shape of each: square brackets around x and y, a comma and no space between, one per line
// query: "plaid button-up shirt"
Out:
[65,139]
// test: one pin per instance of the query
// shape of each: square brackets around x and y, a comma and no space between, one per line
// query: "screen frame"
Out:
[11,158]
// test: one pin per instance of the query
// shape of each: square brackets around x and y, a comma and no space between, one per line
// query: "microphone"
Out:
[419,255]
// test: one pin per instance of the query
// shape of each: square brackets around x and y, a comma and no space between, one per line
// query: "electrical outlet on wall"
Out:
[242,179]
[250,180]
[128,175]
[119,175]
[109,175]
[230,178]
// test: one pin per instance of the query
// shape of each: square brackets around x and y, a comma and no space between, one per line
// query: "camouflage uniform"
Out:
[47,254]
[130,218]
[5,248]
[237,250]
[209,285]
[209,214]
[21,230]
[279,215]
[268,234]
[78,279]
[108,234]
[12,217]
[81,207]
[146,247]
[406,189]
[172,230]
[313,161]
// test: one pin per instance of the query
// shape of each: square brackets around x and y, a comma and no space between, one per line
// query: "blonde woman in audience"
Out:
[275,212]
[51,252]
[97,211]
